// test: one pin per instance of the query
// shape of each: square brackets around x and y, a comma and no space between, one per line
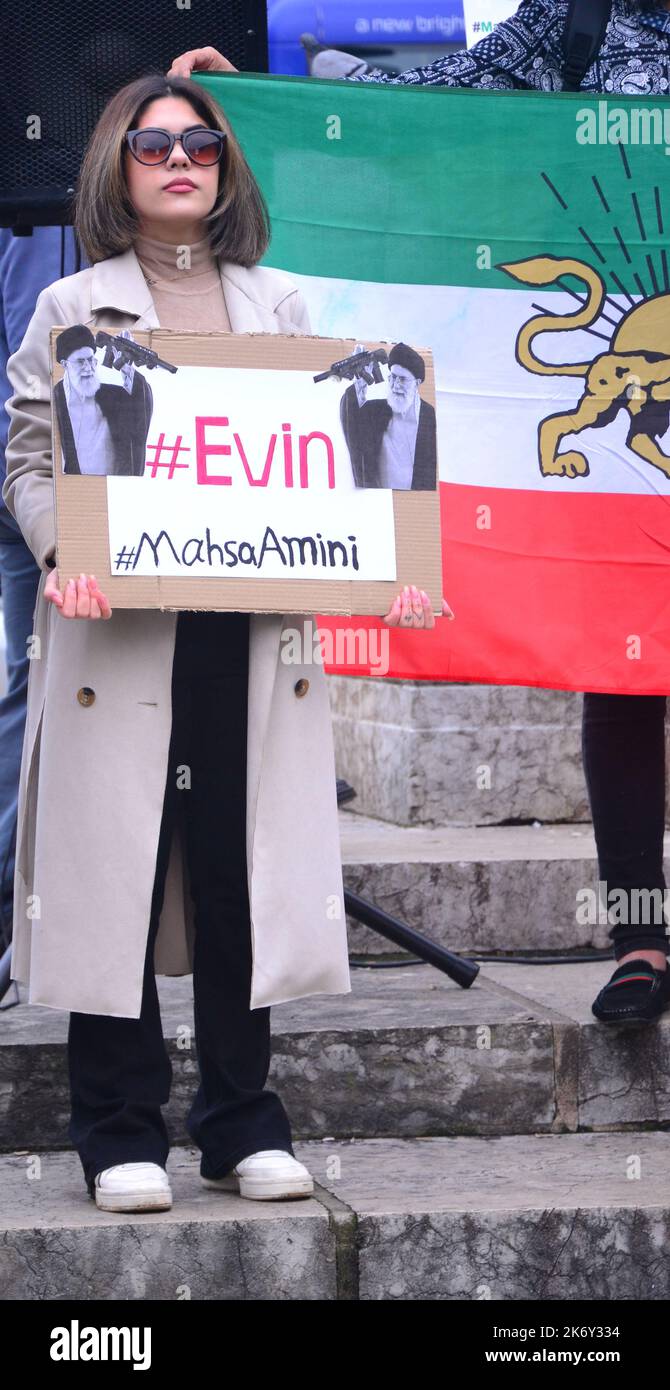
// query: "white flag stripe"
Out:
[488,406]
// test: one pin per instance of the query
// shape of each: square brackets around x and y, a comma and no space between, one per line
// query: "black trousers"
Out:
[119,1069]
[623,744]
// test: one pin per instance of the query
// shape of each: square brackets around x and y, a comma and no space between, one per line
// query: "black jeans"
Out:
[623,744]
[119,1069]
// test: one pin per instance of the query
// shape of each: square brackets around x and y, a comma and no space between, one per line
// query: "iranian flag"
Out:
[523,237]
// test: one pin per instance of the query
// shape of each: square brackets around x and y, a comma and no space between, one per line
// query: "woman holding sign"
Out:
[177,804]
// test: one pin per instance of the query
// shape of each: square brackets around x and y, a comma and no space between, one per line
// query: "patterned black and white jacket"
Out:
[526,51]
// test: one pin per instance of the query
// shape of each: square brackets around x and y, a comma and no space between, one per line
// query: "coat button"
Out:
[86,696]
[301,687]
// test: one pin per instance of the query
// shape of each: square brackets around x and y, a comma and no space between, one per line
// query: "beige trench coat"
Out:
[93,777]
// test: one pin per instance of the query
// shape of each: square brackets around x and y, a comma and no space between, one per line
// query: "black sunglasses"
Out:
[154,146]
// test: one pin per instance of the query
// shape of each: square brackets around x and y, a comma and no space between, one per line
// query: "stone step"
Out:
[536,1217]
[406,1053]
[488,888]
[433,753]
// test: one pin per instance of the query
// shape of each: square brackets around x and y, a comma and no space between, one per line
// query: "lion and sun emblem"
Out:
[633,374]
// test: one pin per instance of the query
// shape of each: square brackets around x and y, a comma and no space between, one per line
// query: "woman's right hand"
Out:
[81,598]
[200,60]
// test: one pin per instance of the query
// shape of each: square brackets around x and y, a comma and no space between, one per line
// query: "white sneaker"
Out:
[133,1187]
[267,1176]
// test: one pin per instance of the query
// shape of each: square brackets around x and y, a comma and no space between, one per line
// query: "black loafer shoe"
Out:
[636,993]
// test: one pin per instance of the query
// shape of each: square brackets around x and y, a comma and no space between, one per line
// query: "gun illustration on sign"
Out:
[361,364]
[129,352]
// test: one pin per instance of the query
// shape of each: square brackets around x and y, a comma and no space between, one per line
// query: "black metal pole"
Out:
[458,968]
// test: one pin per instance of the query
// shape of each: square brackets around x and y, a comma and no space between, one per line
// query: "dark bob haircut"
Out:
[238,225]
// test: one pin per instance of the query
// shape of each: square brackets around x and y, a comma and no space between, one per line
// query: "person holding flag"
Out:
[623,736]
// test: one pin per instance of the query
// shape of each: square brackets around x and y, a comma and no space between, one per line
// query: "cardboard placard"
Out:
[239,462]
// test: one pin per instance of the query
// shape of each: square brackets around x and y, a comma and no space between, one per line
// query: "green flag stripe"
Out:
[435,185]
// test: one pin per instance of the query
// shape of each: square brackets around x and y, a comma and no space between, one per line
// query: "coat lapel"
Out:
[119,284]
[246,314]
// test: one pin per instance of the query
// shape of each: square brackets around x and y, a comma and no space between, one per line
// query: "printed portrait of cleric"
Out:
[103,425]
[391,440]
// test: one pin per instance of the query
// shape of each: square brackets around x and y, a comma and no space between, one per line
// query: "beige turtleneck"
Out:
[186,297]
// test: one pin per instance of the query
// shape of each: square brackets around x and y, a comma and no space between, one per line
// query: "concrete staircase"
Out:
[491,1143]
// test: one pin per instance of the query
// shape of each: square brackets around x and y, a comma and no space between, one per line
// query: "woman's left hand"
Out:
[413,608]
